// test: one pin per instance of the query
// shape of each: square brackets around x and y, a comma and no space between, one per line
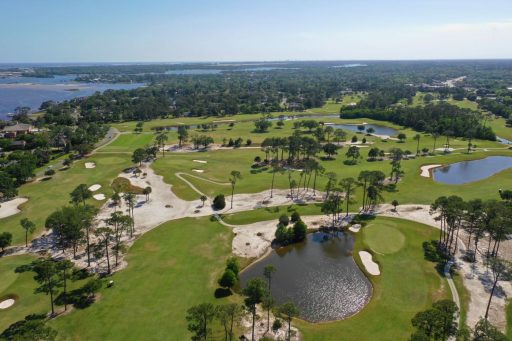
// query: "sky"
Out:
[257,30]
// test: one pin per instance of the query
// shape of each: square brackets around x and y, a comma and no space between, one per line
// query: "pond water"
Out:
[31,92]
[379,130]
[319,275]
[469,171]
[503,140]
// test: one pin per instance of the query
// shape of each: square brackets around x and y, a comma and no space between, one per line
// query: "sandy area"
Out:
[369,264]
[425,170]
[200,161]
[94,188]
[355,228]
[260,327]
[445,149]
[254,240]
[99,196]
[90,165]
[10,207]
[198,170]
[6,303]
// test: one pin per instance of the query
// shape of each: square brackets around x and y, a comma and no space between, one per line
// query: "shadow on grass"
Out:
[222,292]
[432,253]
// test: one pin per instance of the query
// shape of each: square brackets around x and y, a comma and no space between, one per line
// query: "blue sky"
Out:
[226,30]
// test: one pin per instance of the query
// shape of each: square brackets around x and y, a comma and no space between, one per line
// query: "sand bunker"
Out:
[198,170]
[200,161]
[425,170]
[90,165]
[94,188]
[369,264]
[99,196]
[6,303]
[10,207]
[445,149]
[355,228]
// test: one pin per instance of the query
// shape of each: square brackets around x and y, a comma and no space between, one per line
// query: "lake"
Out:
[31,92]
[469,171]
[319,275]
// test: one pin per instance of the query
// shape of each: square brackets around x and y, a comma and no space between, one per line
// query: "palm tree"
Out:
[289,311]
[348,185]
[116,199]
[147,191]
[435,136]
[417,138]
[160,140]
[275,168]
[130,199]
[105,234]
[235,176]
[29,227]
[203,198]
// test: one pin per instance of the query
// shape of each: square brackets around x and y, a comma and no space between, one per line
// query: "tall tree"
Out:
[47,275]
[80,194]
[63,267]
[501,271]
[233,178]
[199,318]
[254,292]
[348,185]
[289,310]
[29,227]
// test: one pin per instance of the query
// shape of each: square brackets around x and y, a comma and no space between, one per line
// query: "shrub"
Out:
[219,202]
[233,265]
[228,279]
[283,219]
[49,172]
[295,217]
[276,325]
[299,231]
[248,142]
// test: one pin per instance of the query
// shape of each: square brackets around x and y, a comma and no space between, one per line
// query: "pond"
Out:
[319,275]
[503,140]
[469,171]
[378,130]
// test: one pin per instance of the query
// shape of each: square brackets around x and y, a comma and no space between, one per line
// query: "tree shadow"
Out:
[222,292]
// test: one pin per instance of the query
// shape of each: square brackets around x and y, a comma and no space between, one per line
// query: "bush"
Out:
[299,231]
[276,325]
[295,217]
[248,142]
[219,202]
[228,279]
[49,172]
[233,265]
[283,219]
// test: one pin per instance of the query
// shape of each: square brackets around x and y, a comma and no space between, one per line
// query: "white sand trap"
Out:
[369,264]
[445,149]
[94,188]
[200,161]
[355,228]
[425,170]
[198,170]
[10,207]
[99,196]
[6,303]
[90,165]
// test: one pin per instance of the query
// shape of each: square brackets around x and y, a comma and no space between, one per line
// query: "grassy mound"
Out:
[123,185]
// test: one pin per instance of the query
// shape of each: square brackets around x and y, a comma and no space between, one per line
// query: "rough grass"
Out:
[123,185]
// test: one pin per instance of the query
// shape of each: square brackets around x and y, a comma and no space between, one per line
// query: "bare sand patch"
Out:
[198,170]
[355,228]
[94,188]
[369,264]
[200,161]
[6,303]
[445,149]
[10,207]
[425,170]
[90,165]
[99,196]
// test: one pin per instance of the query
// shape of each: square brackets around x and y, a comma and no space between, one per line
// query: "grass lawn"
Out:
[22,285]
[127,143]
[221,162]
[501,130]
[176,266]
[408,284]
[47,196]
[170,269]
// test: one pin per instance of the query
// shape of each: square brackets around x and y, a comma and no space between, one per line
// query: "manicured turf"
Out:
[47,196]
[22,285]
[408,284]
[169,269]
[129,142]
[176,266]
[383,237]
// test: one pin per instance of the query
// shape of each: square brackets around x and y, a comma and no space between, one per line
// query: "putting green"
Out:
[383,238]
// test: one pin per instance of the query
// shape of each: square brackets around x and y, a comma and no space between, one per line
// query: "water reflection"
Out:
[469,171]
[318,275]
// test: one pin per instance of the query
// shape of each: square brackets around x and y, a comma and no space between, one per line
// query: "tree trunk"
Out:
[232,193]
[289,329]
[490,297]
[253,320]
[106,251]
[272,186]
[88,248]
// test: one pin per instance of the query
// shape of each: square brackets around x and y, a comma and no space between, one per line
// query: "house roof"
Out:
[18,127]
